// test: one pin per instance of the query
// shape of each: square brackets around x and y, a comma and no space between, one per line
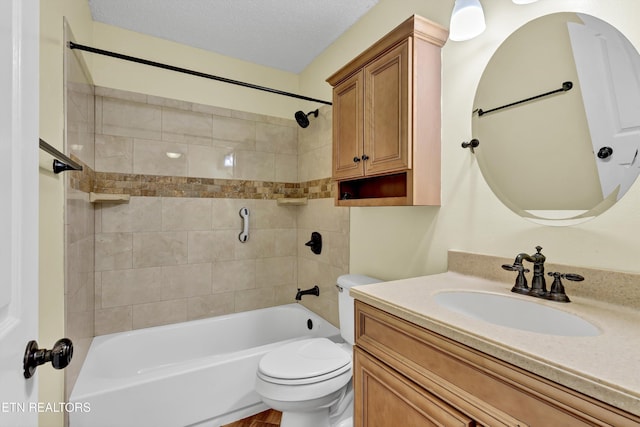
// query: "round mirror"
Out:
[557,114]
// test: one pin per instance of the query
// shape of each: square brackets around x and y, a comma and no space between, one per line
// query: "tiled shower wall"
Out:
[172,252]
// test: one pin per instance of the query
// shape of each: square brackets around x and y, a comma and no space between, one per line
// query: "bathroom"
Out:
[389,242]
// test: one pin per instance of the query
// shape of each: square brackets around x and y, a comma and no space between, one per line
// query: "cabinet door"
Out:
[348,115]
[384,398]
[388,111]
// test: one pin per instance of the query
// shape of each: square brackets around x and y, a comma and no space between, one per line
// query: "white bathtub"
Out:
[193,373]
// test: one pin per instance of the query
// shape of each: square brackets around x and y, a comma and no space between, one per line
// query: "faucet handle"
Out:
[557,289]
[520,286]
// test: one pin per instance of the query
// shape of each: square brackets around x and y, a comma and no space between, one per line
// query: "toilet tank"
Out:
[345,303]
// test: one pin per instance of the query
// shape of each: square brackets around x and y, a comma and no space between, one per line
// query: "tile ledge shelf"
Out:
[108,198]
[292,201]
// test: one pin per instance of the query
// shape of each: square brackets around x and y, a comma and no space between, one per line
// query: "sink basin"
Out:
[516,313]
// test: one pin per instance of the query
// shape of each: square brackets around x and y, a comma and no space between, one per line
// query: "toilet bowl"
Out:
[309,381]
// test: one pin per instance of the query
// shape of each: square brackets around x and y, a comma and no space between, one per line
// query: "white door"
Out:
[609,71]
[19,39]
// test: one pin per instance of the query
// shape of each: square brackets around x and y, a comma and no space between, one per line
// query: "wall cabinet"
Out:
[386,119]
[405,372]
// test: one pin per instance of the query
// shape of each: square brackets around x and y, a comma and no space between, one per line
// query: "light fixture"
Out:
[173,155]
[467,20]
[524,1]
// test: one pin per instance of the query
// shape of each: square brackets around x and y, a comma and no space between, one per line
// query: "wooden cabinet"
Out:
[386,120]
[390,399]
[418,375]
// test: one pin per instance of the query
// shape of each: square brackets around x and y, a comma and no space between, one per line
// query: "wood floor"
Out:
[269,418]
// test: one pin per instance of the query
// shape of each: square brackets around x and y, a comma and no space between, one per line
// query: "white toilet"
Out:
[309,381]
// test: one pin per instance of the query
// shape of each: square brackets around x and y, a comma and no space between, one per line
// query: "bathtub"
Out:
[197,373]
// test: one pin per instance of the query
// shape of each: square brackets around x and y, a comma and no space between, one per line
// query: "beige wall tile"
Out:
[211,162]
[210,305]
[159,313]
[114,154]
[261,244]
[150,157]
[140,214]
[315,164]
[186,214]
[230,276]
[286,168]
[253,299]
[269,215]
[134,119]
[318,134]
[123,95]
[187,126]
[170,103]
[255,165]
[114,251]
[127,287]
[276,139]
[185,281]
[275,271]
[210,246]
[233,129]
[112,320]
[157,249]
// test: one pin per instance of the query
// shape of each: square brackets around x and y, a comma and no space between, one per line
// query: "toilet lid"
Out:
[304,359]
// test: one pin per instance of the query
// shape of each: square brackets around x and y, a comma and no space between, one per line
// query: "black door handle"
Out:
[59,356]
[605,152]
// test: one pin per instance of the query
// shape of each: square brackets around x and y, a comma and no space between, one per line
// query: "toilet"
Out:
[309,380]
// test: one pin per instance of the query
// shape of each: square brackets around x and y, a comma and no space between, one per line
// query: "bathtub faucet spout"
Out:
[313,291]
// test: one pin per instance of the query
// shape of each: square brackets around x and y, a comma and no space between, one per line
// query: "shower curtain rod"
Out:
[73,45]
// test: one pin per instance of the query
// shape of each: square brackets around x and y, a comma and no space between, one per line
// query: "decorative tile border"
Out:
[178,186]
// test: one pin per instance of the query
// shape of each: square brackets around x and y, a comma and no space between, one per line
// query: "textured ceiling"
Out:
[282,34]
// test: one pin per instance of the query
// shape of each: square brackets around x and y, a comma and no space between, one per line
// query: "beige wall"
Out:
[404,242]
[118,74]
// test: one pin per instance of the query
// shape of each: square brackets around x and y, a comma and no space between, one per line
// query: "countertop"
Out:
[605,367]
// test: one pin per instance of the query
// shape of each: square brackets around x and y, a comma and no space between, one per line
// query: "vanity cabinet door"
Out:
[387,111]
[386,399]
[348,113]
[492,392]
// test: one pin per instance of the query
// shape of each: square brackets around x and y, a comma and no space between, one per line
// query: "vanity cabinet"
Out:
[405,372]
[386,120]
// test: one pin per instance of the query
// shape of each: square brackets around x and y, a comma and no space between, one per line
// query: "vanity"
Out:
[418,362]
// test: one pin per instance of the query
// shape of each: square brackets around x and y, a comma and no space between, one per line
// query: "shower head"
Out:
[303,119]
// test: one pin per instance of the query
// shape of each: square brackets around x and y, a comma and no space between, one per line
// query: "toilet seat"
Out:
[304,362]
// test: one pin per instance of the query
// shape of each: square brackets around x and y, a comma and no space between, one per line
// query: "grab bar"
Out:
[244,234]
[61,162]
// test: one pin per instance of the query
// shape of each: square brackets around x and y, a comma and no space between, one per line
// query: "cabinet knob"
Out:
[356,159]
[365,157]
